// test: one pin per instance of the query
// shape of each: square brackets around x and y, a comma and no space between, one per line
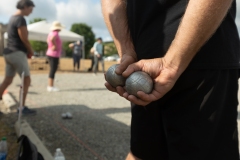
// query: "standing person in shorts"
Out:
[54,53]
[18,49]
[191,50]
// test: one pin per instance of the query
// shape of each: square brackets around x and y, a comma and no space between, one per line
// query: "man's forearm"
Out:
[201,19]
[115,17]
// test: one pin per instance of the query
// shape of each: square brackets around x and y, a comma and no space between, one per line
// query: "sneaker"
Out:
[67,115]
[52,89]
[27,111]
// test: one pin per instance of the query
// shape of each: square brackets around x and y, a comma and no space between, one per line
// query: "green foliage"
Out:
[36,20]
[67,50]
[36,45]
[109,48]
[86,31]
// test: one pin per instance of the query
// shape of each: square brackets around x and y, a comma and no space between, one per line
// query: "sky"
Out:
[69,12]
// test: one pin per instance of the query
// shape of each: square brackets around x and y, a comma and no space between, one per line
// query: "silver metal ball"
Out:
[69,115]
[64,115]
[114,79]
[139,81]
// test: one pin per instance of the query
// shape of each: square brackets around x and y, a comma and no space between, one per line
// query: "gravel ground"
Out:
[7,130]
[99,128]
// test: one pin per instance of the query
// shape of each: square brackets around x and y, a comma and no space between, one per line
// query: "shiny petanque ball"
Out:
[114,79]
[139,81]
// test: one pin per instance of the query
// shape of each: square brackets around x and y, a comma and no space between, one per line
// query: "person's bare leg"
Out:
[6,82]
[50,82]
[130,156]
[27,82]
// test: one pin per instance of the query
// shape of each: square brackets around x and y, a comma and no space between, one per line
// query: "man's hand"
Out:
[164,77]
[126,60]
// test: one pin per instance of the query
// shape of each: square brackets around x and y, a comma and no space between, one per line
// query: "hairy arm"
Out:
[115,16]
[23,34]
[200,21]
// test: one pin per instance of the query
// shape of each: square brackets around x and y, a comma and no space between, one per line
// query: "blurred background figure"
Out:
[92,59]
[77,51]
[18,50]
[98,55]
[54,52]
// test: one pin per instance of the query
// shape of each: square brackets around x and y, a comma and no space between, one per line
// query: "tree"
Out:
[36,45]
[36,20]
[109,48]
[86,31]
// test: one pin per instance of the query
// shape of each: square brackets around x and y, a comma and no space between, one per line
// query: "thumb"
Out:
[133,68]
[126,60]
[123,65]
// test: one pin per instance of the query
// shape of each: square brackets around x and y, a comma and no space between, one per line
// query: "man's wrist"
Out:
[179,56]
[129,52]
[175,62]
[126,48]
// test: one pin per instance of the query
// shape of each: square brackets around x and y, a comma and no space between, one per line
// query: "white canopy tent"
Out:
[39,31]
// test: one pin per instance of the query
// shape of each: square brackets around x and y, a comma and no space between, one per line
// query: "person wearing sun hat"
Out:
[54,52]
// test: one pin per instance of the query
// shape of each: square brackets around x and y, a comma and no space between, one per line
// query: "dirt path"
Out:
[39,66]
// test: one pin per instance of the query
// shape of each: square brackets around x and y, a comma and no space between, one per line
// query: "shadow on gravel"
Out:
[82,89]
[91,134]
[33,93]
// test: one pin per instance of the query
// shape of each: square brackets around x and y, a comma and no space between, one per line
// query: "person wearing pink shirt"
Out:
[54,52]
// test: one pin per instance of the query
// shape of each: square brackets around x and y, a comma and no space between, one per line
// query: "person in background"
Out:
[54,53]
[92,58]
[98,55]
[18,50]
[77,53]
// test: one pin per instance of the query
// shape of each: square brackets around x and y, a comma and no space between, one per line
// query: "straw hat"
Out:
[56,25]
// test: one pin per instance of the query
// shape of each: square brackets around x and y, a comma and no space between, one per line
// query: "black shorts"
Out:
[196,120]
